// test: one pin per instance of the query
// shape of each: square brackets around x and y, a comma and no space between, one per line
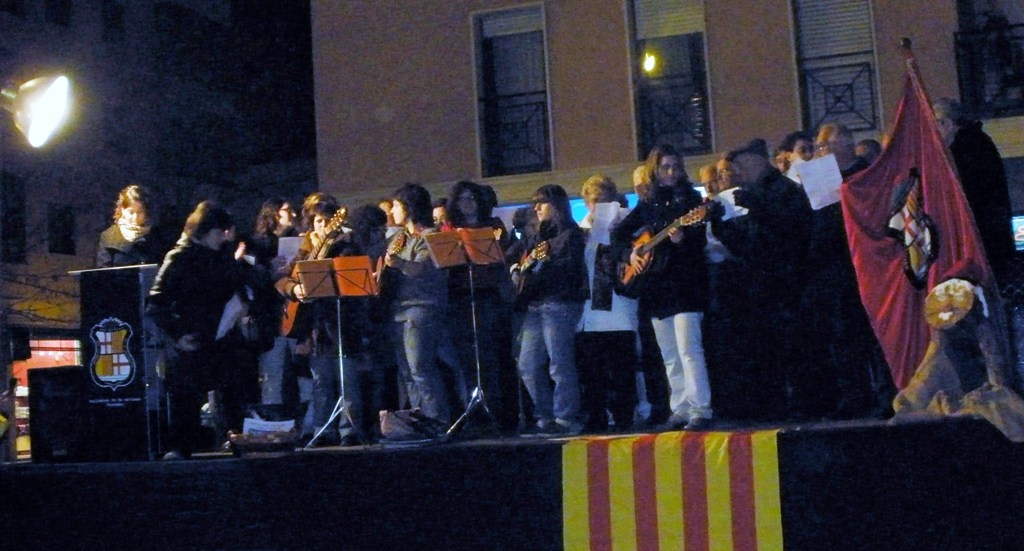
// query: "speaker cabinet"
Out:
[59,419]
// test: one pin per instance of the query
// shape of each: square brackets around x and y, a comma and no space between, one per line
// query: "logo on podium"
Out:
[112,364]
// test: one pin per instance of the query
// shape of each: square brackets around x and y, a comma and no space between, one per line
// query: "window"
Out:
[835,58]
[12,219]
[113,21]
[671,86]
[60,229]
[512,92]
[58,12]
[990,59]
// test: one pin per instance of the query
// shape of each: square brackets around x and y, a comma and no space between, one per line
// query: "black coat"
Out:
[984,182]
[772,240]
[191,288]
[677,279]
[114,250]
[562,277]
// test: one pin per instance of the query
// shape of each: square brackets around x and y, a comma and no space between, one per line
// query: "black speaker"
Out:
[59,420]
[20,347]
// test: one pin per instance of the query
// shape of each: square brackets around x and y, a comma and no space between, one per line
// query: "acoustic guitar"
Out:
[385,274]
[528,262]
[296,317]
[644,245]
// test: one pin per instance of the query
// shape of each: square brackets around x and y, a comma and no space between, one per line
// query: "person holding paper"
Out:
[672,284]
[770,242]
[836,378]
[278,381]
[606,337]
[186,303]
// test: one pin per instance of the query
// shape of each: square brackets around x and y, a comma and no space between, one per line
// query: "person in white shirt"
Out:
[606,338]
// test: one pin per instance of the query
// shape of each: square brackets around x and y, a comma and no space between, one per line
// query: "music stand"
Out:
[469,247]
[340,277]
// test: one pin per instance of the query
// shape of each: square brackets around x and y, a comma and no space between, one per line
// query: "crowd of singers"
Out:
[634,316]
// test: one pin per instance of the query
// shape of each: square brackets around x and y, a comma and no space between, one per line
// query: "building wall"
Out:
[395,85]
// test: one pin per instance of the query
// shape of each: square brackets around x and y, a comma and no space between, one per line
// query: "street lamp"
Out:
[39,106]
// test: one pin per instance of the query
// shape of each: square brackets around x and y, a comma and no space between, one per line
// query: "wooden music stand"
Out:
[338,278]
[469,247]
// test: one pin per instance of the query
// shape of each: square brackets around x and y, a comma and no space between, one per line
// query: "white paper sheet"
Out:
[821,180]
[288,247]
[233,311]
[727,199]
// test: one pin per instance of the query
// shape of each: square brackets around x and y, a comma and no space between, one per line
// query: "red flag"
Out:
[908,234]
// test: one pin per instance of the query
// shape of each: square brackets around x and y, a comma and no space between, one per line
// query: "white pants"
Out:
[682,350]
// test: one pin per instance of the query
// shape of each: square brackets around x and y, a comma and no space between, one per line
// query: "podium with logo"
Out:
[122,406]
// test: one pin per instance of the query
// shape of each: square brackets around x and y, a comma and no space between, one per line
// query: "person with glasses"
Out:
[843,356]
[769,243]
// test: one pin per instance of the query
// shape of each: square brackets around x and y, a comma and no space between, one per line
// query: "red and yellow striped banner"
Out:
[691,491]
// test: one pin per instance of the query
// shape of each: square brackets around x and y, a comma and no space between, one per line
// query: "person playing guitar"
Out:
[553,288]
[673,286]
[418,297]
[314,322]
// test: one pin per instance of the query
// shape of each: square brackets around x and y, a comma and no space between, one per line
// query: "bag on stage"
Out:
[409,424]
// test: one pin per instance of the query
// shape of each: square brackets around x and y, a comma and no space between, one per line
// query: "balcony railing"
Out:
[990,63]
[515,134]
[673,111]
[838,90]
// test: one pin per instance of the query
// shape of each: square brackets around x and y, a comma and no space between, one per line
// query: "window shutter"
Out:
[833,27]
[658,18]
[508,22]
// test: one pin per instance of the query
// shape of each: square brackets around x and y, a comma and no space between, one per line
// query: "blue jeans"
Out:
[415,334]
[548,336]
[326,388]
[273,364]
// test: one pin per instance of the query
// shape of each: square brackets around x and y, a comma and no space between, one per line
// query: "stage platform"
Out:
[949,484]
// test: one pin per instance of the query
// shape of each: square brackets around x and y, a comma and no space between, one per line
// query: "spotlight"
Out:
[39,106]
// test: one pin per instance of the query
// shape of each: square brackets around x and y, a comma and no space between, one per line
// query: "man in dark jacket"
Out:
[771,242]
[186,302]
[983,178]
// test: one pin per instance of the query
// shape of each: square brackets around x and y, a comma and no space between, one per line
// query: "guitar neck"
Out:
[659,237]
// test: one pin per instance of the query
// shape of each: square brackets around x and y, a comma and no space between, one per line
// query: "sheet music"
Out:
[821,179]
[481,246]
[727,199]
[354,276]
[233,311]
[288,247]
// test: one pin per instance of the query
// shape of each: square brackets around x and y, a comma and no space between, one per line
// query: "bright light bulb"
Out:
[650,62]
[48,112]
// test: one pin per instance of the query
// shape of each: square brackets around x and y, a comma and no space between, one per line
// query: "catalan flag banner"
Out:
[677,490]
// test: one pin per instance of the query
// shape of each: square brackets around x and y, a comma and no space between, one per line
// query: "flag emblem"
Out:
[112,364]
[913,228]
